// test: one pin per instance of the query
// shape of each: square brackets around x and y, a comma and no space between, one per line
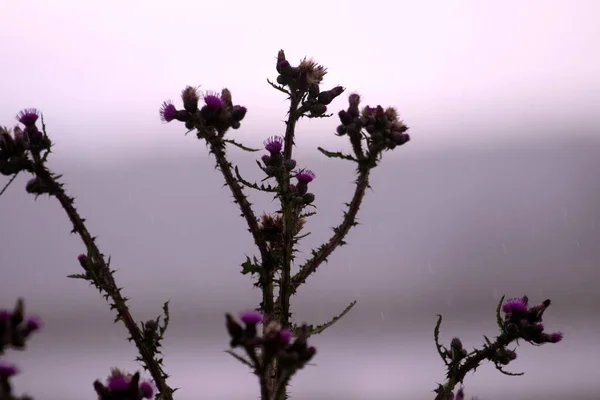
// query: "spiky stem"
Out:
[105,281]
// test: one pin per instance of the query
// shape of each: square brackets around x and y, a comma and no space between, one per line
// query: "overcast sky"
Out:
[498,191]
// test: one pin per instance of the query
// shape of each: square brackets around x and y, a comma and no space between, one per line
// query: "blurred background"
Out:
[497,193]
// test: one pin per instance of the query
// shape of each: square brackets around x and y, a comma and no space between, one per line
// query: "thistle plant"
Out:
[267,340]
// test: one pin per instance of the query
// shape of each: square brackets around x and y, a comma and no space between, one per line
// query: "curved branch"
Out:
[340,232]
[106,281]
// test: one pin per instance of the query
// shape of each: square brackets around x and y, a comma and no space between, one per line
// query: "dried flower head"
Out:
[190,98]
[314,72]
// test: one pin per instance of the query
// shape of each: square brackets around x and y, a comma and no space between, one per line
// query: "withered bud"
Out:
[226,98]
[312,71]
[354,100]
[271,227]
[282,63]
[398,126]
[391,114]
[6,142]
[190,98]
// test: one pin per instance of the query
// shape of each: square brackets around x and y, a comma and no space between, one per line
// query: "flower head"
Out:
[118,383]
[28,116]
[34,323]
[285,336]
[146,389]
[555,337]
[306,176]
[252,317]
[213,101]
[274,144]
[167,112]
[515,305]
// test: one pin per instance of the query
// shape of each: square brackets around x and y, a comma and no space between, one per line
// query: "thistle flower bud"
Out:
[266,159]
[400,139]
[289,164]
[238,113]
[317,110]
[308,198]
[329,95]
[36,186]
[456,344]
[313,90]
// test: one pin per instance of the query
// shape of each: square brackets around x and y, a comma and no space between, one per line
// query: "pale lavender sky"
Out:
[110,63]
[497,193]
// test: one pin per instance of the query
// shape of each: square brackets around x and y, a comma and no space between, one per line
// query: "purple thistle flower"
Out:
[515,305]
[118,383]
[285,336]
[306,176]
[252,317]
[28,116]
[213,101]
[7,369]
[146,389]
[34,323]
[167,112]
[274,144]
[555,337]
[460,395]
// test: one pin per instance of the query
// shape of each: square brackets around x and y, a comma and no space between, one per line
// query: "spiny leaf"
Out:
[241,146]
[240,358]
[279,87]
[499,368]
[436,337]
[498,316]
[320,328]
[336,154]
